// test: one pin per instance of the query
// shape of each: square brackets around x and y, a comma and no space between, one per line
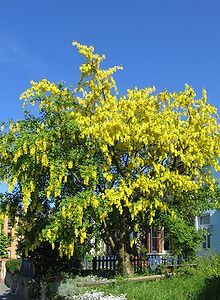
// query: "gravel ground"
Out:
[5,293]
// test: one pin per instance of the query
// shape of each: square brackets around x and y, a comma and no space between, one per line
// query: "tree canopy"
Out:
[92,159]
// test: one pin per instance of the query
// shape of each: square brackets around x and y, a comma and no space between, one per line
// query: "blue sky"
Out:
[160,43]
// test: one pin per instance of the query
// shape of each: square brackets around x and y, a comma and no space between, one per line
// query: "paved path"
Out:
[5,293]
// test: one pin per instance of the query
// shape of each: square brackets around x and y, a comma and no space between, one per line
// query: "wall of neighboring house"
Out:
[155,242]
[10,232]
[210,221]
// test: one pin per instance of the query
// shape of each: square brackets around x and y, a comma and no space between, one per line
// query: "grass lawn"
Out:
[201,283]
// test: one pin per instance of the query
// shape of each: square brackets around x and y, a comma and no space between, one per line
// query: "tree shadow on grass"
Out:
[211,290]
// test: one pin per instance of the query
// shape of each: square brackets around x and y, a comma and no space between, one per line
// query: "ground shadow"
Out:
[211,290]
[9,296]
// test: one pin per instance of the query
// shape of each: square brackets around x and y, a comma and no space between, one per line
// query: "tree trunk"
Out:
[123,260]
[117,236]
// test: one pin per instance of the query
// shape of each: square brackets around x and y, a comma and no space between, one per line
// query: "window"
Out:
[154,242]
[166,246]
[206,243]
[9,234]
[1,227]
[204,220]
[204,223]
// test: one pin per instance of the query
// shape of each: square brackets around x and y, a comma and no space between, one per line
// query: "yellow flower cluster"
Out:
[38,88]
[46,92]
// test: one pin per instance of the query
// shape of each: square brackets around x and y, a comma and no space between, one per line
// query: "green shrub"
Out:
[69,288]
[13,265]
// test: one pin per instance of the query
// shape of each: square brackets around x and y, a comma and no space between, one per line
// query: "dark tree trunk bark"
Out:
[116,234]
[123,257]
[123,261]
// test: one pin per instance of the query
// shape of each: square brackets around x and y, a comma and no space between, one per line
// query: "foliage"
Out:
[184,238]
[4,244]
[201,200]
[13,265]
[93,163]
[72,288]
[181,232]
[200,282]
[48,262]
[62,290]
[69,288]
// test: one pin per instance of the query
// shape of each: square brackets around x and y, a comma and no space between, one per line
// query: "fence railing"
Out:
[151,262]
[139,263]
[107,263]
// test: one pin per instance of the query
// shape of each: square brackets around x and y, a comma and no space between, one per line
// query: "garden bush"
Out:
[13,265]
[73,289]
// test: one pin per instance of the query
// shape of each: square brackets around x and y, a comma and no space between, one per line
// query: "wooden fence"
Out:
[139,264]
[107,263]
[151,262]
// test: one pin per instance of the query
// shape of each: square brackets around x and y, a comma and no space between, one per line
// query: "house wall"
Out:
[156,246]
[215,232]
[11,233]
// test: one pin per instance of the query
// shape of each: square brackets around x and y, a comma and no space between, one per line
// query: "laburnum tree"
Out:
[97,160]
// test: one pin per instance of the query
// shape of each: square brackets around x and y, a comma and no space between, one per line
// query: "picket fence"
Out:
[139,263]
